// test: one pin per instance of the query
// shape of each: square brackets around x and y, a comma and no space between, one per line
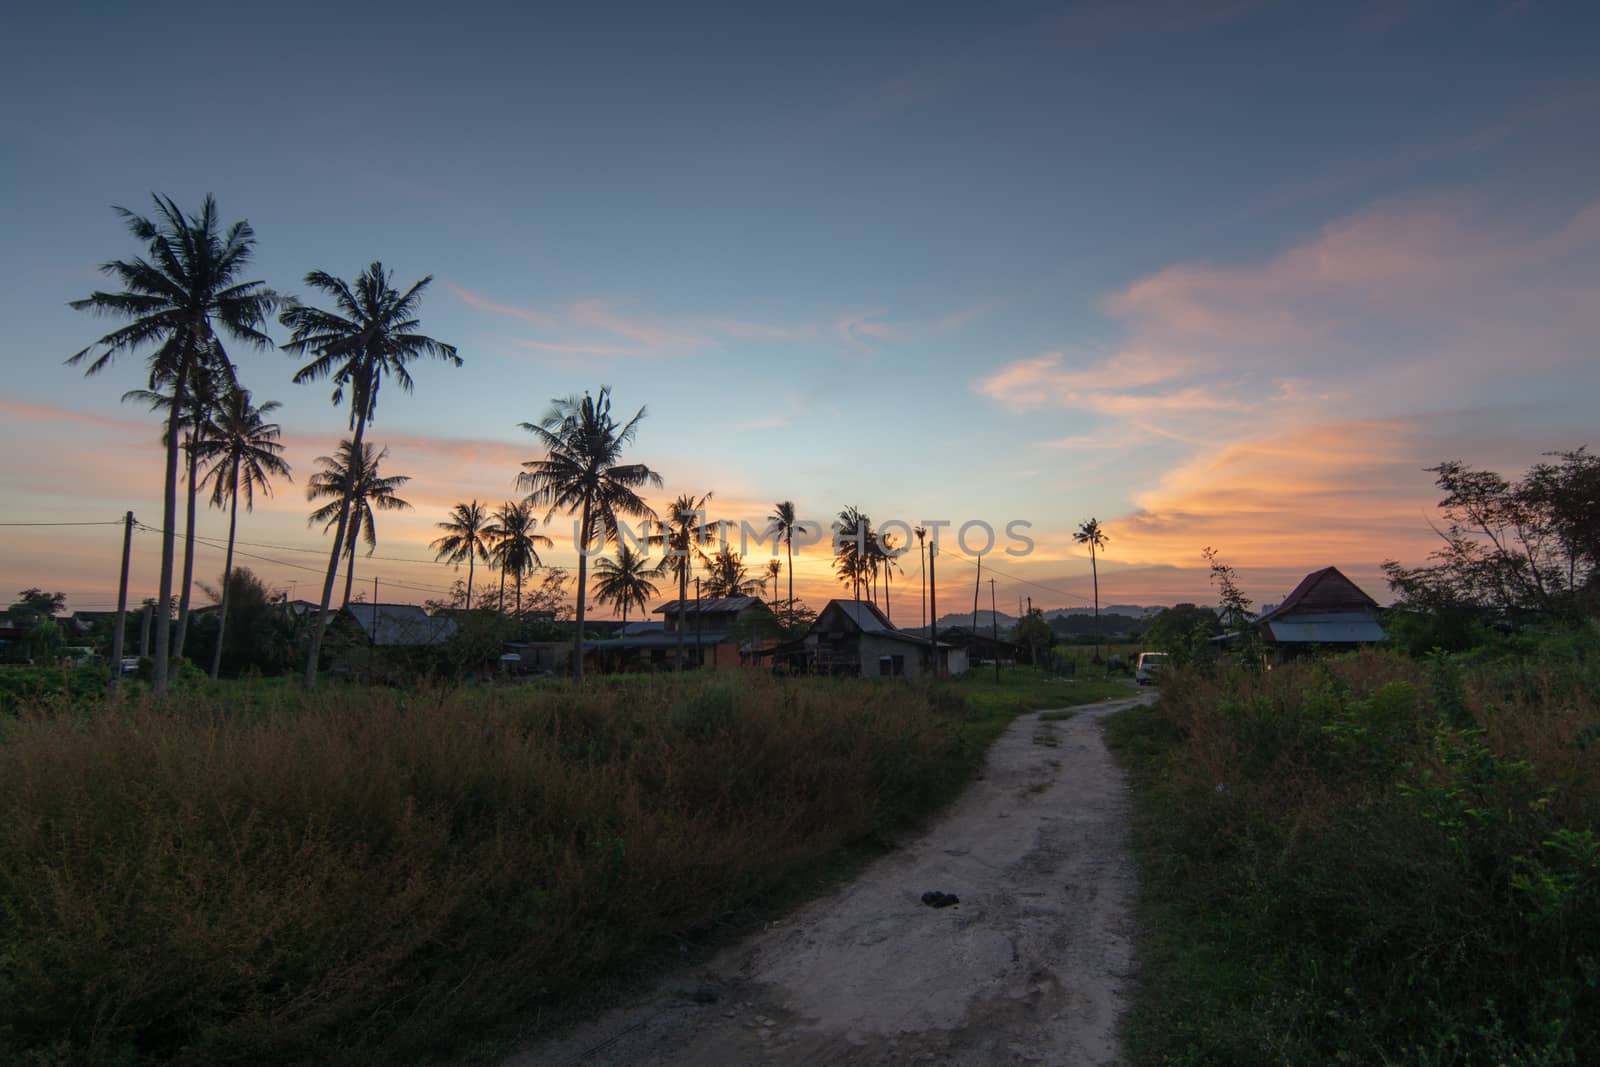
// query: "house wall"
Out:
[872,648]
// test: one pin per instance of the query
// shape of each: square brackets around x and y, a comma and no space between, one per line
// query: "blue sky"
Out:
[1223,273]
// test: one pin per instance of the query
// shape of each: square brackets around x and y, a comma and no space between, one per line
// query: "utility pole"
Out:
[994,630]
[699,647]
[933,606]
[976,585]
[122,603]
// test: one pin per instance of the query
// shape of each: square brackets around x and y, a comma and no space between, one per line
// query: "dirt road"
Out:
[1029,967]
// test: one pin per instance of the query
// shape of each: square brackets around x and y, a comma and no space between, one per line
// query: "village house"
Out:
[718,632]
[854,637]
[1326,611]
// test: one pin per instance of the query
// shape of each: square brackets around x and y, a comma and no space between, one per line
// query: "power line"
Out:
[1058,592]
[118,522]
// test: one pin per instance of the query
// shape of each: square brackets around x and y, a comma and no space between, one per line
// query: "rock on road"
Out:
[1029,968]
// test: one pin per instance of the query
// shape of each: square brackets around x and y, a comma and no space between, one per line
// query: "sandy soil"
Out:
[1029,968]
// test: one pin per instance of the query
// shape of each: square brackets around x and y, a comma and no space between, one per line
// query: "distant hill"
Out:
[1137,611]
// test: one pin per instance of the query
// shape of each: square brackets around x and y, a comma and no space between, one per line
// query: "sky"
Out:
[1223,273]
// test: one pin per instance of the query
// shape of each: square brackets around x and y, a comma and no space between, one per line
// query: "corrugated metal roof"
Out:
[401,624]
[1327,589]
[864,615]
[1331,628]
[708,605]
[660,640]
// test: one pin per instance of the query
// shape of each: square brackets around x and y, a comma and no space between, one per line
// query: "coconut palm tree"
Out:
[178,299]
[466,537]
[373,335]
[857,561]
[583,473]
[774,572]
[683,533]
[626,580]
[210,379]
[245,455]
[726,575]
[783,520]
[362,485]
[1090,533]
[516,543]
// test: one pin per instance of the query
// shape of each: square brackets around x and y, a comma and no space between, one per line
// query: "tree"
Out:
[726,575]
[1033,633]
[1235,616]
[33,605]
[783,520]
[682,534]
[209,381]
[177,299]
[373,335]
[774,572]
[257,633]
[626,580]
[856,563]
[245,455]
[583,473]
[354,488]
[466,537]
[516,543]
[1511,548]
[1183,632]
[1090,533]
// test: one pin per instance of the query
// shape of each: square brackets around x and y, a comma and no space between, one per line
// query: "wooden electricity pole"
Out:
[122,602]
[933,606]
[994,630]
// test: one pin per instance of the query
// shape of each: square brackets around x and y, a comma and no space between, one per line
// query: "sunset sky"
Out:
[1222,273]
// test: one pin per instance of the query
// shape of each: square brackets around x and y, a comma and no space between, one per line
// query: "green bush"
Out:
[1371,860]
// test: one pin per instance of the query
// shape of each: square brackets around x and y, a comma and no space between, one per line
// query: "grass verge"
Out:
[1369,860]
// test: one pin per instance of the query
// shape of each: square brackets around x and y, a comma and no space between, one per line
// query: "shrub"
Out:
[1369,859]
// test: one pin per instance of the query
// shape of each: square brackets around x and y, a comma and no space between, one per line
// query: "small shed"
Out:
[1325,611]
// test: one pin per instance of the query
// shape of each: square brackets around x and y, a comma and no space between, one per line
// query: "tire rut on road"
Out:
[1029,968]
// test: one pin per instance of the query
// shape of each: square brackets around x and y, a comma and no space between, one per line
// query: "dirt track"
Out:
[1028,968]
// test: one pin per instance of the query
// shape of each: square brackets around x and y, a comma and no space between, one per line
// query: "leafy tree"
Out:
[177,299]
[1183,632]
[257,635]
[1235,616]
[626,580]
[1033,633]
[372,335]
[583,473]
[352,489]
[1090,534]
[34,604]
[466,537]
[245,454]
[1509,548]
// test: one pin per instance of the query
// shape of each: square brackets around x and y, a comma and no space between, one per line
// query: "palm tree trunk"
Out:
[791,572]
[683,594]
[350,574]
[500,605]
[583,583]
[227,570]
[519,591]
[338,545]
[169,523]
[188,555]
[470,561]
[1094,569]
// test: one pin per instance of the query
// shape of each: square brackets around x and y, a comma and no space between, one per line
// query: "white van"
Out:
[1151,664]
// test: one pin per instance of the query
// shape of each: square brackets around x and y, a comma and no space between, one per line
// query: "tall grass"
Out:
[352,876]
[1371,860]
